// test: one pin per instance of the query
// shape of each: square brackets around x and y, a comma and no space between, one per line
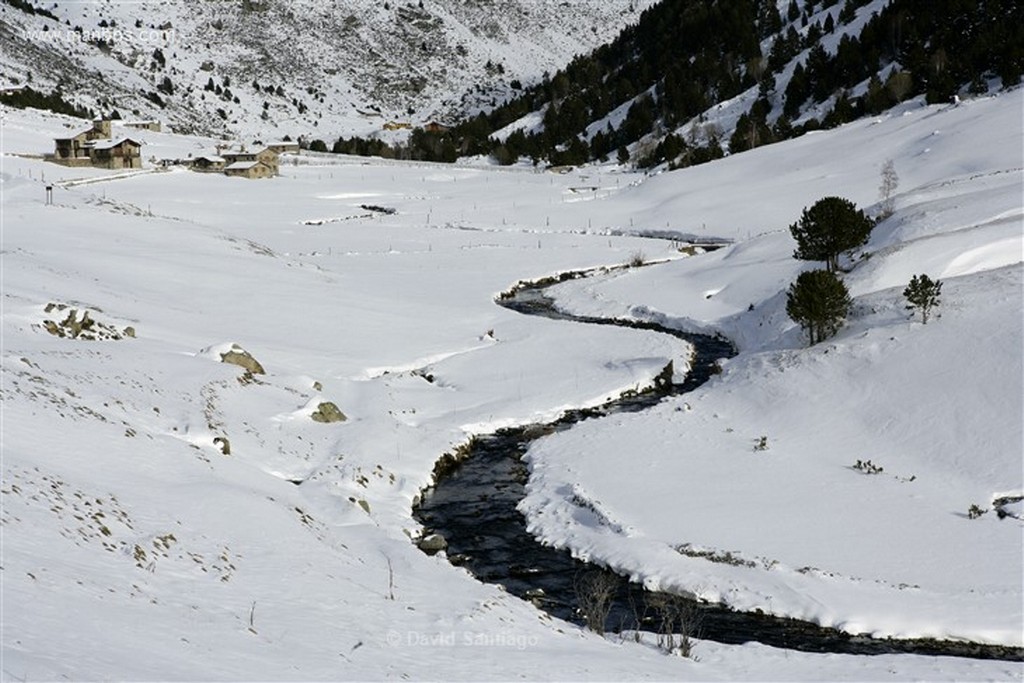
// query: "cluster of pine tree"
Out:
[54,101]
[683,56]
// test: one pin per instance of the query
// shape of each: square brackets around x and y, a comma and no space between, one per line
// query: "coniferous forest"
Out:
[684,56]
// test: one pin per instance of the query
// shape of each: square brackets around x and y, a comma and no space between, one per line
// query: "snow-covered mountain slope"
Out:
[758,470]
[279,67]
[135,547]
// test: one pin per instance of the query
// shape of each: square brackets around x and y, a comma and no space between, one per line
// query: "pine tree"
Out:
[793,11]
[923,293]
[830,227]
[818,301]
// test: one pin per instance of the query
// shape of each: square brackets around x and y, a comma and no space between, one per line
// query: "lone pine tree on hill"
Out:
[818,301]
[923,293]
[830,227]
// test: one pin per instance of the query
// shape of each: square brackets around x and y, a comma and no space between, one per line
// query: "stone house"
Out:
[208,163]
[265,156]
[120,153]
[74,150]
[250,169]
[154,125]
[283,147]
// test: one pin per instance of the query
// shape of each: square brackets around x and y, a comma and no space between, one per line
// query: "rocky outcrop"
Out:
[432,544]
[327,412]
[236,355]
[85,328]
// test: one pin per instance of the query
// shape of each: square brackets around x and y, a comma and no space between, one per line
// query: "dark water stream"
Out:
[473,505]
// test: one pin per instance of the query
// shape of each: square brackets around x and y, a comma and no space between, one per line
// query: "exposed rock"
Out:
[328,412]
[240,357]
[225,445]
[86,328]
[432,544]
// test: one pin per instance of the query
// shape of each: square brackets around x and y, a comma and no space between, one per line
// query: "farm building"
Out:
[94,147]
[284,146]
[250,169]
[120,153]
[74,150]
[209,163]
[265,156]
[152,125]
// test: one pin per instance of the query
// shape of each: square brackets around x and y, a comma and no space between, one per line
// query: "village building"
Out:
[94,147]
[152,125]
[283,146]
[435,127]
[209,163]
[250,169]
[74,150]
[261,163]
[120,153]
[265,156]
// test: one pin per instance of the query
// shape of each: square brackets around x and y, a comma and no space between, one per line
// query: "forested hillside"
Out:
[793,67]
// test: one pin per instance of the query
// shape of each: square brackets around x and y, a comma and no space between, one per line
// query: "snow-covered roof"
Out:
[213,159]
[243,165]
[110,144]
[75,135]
[252,152]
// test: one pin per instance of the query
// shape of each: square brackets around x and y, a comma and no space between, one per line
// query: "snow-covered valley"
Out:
[135,547]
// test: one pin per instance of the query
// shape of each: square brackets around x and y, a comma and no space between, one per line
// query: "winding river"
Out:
[473,506]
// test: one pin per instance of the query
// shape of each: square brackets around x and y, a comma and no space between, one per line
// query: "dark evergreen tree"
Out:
[796,92]
[166,86]
[819,302]
[830,227]
[848,13]
[793,11]
[923,294]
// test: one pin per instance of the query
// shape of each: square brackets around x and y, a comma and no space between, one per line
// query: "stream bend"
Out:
[473,505]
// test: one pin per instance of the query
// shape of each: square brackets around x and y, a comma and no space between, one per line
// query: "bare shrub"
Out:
[594,593]
[639,610]
[679,622]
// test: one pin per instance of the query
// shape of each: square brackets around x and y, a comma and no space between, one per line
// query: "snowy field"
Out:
[134,548]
